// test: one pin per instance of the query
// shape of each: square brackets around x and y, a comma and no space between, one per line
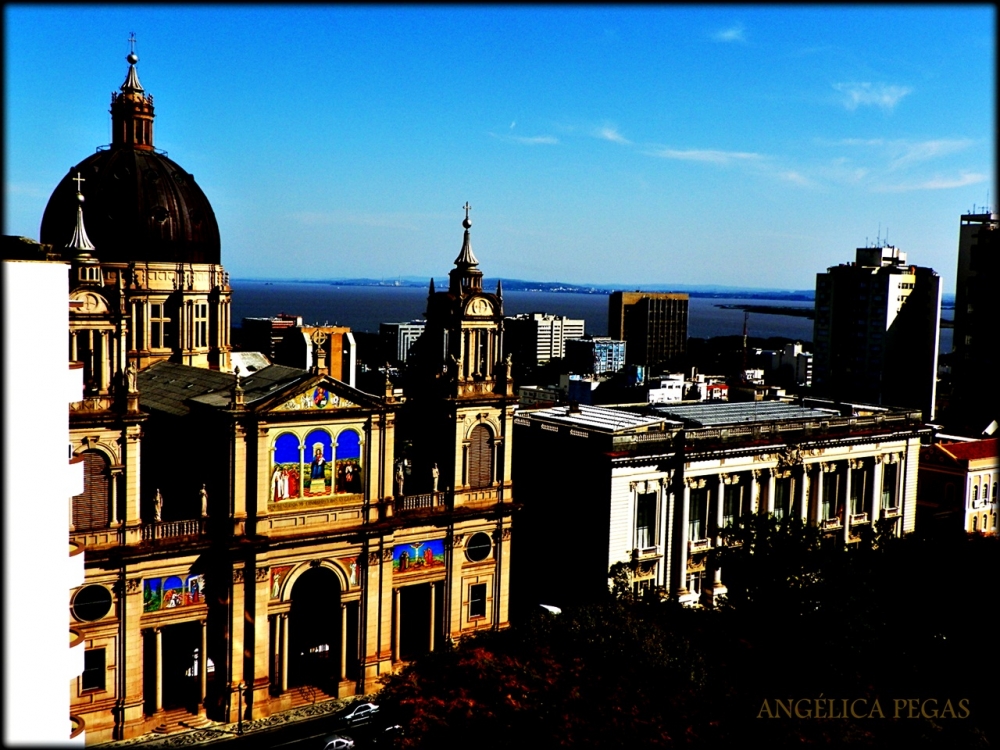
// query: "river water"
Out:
[362,308]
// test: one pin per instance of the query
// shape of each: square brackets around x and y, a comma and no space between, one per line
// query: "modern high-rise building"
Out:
[397,338]
[595,355]
[654,325]
[977,336]
[536,338]
[876,331]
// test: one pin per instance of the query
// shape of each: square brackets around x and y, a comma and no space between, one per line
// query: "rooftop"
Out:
[168,386]
[973,450]
[598,418]
[713,415]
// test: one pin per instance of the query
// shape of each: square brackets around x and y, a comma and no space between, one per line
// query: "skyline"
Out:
[704,145]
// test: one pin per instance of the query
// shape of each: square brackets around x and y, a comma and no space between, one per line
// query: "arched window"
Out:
[975,523]
[91,510]
[480,457]
[285,480]
[994,492]
[348,469]
[975,494]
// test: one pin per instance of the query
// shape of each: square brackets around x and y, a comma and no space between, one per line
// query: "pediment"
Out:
[318,397]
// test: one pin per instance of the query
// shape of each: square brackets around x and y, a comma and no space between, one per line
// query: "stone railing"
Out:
[173,529]
[699,545]
[890,512]
[416,502]
[645,553]
[859,518]
[831,523]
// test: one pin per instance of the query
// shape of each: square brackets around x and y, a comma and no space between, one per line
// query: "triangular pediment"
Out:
[322,394]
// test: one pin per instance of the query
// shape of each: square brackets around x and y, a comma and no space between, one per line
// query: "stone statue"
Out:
[435,473]
[203,496]
[131,377]
[158,506]
[399,478]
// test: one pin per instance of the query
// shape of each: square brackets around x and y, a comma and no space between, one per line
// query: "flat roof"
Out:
[741,412]
[597,418]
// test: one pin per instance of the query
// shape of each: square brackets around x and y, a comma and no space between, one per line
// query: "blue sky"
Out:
[738,145]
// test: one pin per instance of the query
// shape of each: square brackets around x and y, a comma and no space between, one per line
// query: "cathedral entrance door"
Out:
[181,687]
[314,630]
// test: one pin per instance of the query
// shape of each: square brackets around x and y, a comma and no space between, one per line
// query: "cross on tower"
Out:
[78,179]
[467,207]
[131,43]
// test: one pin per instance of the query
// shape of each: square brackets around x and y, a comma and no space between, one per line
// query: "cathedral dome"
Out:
[139,206]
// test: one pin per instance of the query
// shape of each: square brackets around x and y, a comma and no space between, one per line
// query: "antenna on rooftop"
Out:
[887,235]
[878,237]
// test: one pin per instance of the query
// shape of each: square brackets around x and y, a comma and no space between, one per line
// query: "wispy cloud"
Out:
[534,140]
[880,95]
[925,150]
[706,155]
[935,183]
[733,33]
[610,133]
[796,178]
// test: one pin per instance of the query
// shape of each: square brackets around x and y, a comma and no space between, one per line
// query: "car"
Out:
[360,713]
[338,742]
[388,735]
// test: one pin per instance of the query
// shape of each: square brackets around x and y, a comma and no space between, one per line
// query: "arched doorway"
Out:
[314,630]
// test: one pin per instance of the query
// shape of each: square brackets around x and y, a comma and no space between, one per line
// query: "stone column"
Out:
[820,482]
[431,644]
[203,666]
[847,502]
[682,536]
[755,490]
[877,469]
[719,502]
[283,626]
[395,623]
[769,506]
[804,493]
[158,635]
[343,642]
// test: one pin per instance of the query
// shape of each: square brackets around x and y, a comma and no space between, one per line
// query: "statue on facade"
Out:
[131,377]
[399,478]
[435,474]
[158,506]
[203,496]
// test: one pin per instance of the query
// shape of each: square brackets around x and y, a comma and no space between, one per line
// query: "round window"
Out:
[479,547]
[92,603]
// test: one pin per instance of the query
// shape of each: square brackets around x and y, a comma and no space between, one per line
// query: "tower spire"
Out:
[466,276]
[132,108]
[80,242]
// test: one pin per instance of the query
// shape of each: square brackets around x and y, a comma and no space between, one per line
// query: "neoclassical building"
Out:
[651,487]
[252,539]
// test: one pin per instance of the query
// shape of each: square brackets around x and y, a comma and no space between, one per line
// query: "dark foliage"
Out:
[890,619]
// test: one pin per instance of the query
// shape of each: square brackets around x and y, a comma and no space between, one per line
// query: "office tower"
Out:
[976,339]
[595,355]
[876,331]
[536,338]
[397,338]
[654,325]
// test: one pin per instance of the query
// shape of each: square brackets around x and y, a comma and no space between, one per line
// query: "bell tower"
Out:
[459,395]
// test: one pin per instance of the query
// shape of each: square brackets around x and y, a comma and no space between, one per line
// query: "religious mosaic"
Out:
[418,557]
[317,467]
[315,398]
[172,591]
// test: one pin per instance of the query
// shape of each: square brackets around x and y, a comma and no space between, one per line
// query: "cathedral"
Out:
[259,540]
